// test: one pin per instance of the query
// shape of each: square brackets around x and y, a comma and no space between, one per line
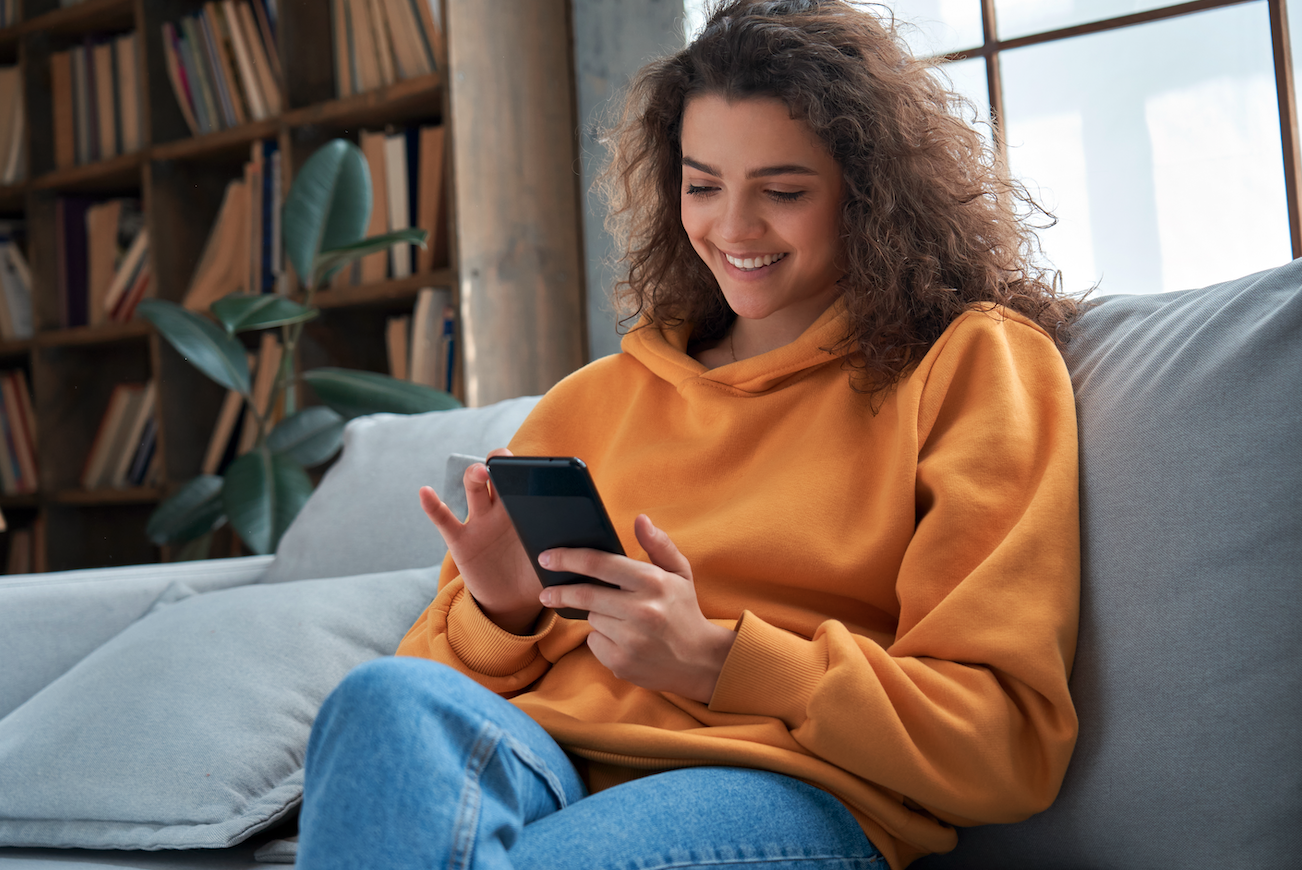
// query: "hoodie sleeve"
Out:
[967,711]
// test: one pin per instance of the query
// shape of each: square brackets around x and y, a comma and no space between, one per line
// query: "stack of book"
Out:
[244,252]
[422,345]
[17,435]
[96,100]
[379,42]
[13,126]
[122,454]
[236,430]
[102,250]
[15,289]
[223,64]
[406,191]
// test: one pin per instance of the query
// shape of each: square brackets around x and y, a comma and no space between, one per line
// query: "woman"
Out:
[839,448]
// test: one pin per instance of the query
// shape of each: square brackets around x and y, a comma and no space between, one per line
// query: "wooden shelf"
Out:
[396,289]
[118,173]
[408,100]
[101,497]
[83,335]
[83,17]
[508,199]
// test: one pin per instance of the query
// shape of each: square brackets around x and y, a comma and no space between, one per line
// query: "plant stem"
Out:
[290,335]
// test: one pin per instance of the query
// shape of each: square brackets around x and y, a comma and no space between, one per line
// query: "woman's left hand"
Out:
[650,631]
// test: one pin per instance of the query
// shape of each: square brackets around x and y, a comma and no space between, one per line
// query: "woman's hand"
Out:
[493,564]
[650,631]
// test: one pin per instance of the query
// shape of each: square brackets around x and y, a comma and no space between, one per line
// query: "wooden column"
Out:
[515,183]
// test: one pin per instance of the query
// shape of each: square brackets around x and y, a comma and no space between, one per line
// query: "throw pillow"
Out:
[188,729]
[1188,675]
[365,515]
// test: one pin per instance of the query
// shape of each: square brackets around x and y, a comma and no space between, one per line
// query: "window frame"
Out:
[992,47]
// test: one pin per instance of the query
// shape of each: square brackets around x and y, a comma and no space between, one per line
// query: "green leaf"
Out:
[241,312]
[329,206]
[193,511]
[354,393]
[309,437]
[262,495]
[201,342]
[329,262]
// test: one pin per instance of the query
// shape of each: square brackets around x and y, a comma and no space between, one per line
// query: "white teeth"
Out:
[753,263]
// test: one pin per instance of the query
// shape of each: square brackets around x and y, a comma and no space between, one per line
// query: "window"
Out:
[1154,131]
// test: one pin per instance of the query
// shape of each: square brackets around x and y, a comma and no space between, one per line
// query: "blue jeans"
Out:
[412,765]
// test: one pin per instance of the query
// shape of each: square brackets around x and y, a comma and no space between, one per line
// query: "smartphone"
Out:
[552,502]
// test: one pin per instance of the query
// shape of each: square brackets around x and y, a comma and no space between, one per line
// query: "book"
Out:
[264,13]
[264,381]
[11,116]
[339,42]
[9,471]
[365,60]
[428,362]
[219,442]
[126,273]
[397,344]
[223,264]
[262,52]
[81,116]
[375,267]
[16,410]
[404,36]
[253,180]
[124,51]
[101,55]
[395,173]
[431,208]
[431,28]
[70,247]
[101,255]
[126,308]
[63,109]
[383,43]
[206,103]
[219,47]
[110,434]
[180,82]
[249,82]
[448,348]
[15,293]
[142,460]
[142,410]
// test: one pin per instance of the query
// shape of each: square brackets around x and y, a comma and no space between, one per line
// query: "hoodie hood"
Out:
[664,353]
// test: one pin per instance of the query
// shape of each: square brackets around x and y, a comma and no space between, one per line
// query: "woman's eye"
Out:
[694,190]
[786,196]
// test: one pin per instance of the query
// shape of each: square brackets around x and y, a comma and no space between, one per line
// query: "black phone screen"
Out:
[552,502]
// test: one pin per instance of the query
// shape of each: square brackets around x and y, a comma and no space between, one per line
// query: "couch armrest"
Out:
[49,622]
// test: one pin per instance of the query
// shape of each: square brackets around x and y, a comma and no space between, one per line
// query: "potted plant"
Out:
[261,491]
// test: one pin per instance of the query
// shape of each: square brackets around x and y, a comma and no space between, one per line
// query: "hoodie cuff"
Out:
[487,648]
[769,672]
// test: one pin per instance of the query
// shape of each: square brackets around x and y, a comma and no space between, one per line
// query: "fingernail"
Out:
[545,558]
[546,597]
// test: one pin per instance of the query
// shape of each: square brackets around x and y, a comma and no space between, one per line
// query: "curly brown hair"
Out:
[931,221]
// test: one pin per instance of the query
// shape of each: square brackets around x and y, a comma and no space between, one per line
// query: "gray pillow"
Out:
[365,515]
[188,729]
[49,622]
[1188,677]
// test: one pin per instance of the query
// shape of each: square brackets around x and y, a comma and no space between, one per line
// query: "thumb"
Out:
[663,552]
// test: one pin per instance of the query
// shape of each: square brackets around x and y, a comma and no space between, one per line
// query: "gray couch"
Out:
[155,717]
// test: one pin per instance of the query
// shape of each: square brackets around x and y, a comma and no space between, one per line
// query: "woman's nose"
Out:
[740,221]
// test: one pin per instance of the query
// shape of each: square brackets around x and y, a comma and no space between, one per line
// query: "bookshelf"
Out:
[503,93]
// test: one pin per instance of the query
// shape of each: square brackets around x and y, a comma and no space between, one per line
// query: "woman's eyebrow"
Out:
[762,172]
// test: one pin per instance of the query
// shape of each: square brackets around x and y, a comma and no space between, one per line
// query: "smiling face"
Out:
[761,203]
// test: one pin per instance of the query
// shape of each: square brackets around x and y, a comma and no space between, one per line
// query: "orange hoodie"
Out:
[904,585]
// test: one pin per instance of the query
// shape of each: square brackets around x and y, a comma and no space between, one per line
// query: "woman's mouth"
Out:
[751,264]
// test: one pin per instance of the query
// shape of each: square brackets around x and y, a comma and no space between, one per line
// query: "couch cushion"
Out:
[49,622]
[188,729]
[365,515]
[1188,676]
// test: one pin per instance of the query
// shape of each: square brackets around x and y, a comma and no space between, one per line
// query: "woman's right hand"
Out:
[493,564]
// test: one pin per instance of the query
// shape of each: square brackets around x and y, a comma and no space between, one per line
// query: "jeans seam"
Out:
[466,824]
[539,767]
